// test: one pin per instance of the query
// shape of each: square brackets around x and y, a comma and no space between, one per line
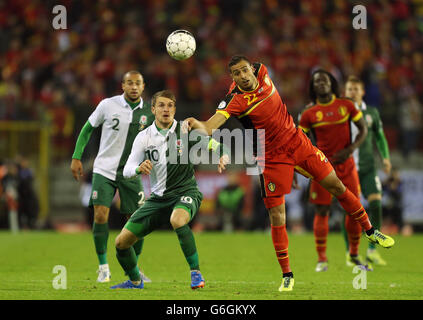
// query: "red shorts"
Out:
[278,173]
[347,173]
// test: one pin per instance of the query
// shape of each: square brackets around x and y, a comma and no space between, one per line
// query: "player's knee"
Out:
[336,187]
[322,210]
[121,242]
[101,214]
[177,221]
[374,197]
[277,216]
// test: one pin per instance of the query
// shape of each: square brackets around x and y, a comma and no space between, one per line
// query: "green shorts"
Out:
[156,211]
[369,182]
[103,191]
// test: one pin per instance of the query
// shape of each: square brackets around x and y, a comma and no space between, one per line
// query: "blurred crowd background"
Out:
[58,77]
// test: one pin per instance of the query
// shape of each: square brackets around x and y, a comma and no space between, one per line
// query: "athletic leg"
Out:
[101,232]
[125,254]
[354,209]
[321,230]
[179,221]
[183,212]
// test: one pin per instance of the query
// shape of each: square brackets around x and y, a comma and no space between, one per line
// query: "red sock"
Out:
[354,208]
[280,242]
[321,230]
[353,229]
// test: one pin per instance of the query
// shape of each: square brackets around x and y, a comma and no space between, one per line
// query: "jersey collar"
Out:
[125,104]
[328,103]
[171,129]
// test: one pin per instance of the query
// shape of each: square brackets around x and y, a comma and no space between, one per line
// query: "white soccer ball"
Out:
[180,44]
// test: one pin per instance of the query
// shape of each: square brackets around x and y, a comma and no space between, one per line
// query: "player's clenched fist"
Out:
[145,167]
[224,160]
[188,124]
[76,168]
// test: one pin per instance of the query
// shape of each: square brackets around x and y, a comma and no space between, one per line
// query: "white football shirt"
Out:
[116,117]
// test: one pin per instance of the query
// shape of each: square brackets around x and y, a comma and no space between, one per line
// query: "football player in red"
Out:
[254,100]
[329,120]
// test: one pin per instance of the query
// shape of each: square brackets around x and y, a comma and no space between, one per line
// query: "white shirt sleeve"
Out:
[97,118]
[136,157]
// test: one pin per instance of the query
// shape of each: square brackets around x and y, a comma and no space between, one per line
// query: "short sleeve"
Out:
[97,118]
[229,106]
[355,113]
[303,121]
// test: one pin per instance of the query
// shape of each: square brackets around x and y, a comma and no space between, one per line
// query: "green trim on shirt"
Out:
[133,105]
[82,141]
[382,144]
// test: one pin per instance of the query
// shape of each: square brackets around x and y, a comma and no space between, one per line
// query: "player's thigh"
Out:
[275,182]
[189,201]
[311,162]
[319,195]
[129,190]
[370,183]
[149,217]
[348,174]
[102,192]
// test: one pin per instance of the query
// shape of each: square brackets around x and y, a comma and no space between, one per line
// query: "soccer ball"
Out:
[180,44]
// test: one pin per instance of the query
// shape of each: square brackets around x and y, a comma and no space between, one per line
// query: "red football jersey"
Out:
[330,124]
[262,108]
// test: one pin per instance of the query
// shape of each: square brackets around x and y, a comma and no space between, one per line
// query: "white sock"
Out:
[104,267]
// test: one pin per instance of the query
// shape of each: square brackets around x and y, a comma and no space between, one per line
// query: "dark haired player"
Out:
[254,100]
[330,121]
[121,118]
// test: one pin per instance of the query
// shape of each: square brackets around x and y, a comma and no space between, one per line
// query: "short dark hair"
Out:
[164,93]
[131,72]
[333,84]
[237,59]
[355,79]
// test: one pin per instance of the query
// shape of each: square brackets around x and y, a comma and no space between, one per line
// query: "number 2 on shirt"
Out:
[115,126]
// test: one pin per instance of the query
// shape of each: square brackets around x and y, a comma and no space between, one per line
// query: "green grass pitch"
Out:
[238,266]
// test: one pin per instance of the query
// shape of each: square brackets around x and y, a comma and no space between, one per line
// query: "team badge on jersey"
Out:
[342,110]
[369,120]
[222,105]
[179,146]
[319,115]
[143,122]
[271,186]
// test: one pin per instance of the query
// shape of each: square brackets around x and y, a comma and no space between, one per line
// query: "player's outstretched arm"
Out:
[81,143]
[205,127]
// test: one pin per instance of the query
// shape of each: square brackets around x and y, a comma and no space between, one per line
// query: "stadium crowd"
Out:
[61,75]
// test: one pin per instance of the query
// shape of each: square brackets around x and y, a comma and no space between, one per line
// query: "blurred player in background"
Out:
[329,120]
[371,186]
[254,100]
[121,118]
[175,196]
